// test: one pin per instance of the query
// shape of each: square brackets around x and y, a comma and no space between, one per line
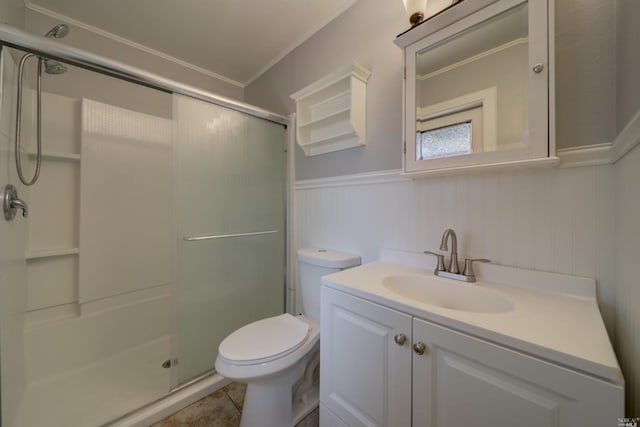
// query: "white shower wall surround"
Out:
[557,220]
[102,313]
[92,328]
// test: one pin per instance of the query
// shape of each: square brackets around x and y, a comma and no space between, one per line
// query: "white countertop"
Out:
[555,317]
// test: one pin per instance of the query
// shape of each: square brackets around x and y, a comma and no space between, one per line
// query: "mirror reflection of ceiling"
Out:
[509,26]
[238,40]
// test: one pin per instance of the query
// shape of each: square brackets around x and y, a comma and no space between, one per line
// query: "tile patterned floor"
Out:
[220,409]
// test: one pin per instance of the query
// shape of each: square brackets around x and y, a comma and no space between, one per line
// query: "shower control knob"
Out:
[419,348]
[11,203]
[400,339]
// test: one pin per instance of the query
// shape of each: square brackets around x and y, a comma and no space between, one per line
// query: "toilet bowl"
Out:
[283,347]
[278,357]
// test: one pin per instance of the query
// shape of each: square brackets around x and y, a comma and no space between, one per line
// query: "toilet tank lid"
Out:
[326,258]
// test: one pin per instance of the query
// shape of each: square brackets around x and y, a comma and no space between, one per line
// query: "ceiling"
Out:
[233,39]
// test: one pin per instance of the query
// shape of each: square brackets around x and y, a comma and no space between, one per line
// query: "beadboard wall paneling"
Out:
[558,220]
[627,199]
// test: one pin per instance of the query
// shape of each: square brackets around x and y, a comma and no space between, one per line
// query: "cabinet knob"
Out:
[538,68]
[419,348]
[400,339]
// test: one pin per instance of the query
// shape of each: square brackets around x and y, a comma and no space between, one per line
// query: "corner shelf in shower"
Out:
[331,112]
[49,253]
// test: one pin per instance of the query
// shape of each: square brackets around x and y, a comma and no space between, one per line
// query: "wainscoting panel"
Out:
[627,197]
[558,220]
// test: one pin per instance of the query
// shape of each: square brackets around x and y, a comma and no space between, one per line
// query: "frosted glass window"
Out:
[445,141]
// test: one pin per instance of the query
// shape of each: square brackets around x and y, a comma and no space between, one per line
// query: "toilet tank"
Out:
[312,265]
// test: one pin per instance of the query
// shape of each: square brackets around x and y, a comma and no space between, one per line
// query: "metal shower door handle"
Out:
[11,203]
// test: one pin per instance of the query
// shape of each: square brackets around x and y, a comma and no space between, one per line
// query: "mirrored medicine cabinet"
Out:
[478,88]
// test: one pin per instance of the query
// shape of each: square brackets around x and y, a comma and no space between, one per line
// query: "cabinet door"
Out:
[461,381]
[365,376]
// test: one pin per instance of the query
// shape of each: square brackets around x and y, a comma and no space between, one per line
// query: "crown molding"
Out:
[39,9]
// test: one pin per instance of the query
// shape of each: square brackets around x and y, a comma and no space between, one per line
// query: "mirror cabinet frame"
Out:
[540,150]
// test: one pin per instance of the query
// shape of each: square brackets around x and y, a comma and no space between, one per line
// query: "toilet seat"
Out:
[264,340]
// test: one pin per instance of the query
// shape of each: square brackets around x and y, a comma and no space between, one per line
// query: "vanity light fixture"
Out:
[419,10]
[416,10]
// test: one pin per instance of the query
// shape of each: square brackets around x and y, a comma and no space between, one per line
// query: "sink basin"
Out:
[448,294]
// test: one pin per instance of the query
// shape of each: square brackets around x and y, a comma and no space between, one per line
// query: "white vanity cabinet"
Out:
[370,376]
[461,380]
[365,377]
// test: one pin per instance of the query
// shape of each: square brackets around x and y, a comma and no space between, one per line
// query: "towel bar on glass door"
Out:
[224,236]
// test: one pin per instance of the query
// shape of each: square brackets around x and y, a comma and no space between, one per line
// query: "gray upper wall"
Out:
[585,79]
[38,23]
[363,34]
[12,13]
[628,60]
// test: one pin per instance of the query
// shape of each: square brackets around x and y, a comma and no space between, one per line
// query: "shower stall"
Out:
[154,226]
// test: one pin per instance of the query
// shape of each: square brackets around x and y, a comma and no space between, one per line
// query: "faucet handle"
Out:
[468,265]
[440,258]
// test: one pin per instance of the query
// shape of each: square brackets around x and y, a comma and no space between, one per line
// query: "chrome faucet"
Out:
[452,271]
[453,262]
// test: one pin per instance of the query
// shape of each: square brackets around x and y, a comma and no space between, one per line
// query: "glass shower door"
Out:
[230,214]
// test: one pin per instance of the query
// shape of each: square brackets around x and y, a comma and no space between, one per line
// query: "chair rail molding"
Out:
[627,139]
[603,154]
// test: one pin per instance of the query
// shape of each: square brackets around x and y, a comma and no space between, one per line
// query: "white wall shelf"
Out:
[331,113]
[334,116]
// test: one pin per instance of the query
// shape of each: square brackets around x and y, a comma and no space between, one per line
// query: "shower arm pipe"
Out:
[42,46]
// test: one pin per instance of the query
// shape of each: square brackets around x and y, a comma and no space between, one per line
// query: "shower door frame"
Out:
[18,39]
[40,46]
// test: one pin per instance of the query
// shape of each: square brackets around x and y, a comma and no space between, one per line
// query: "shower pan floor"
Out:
[96,393]
[221,408]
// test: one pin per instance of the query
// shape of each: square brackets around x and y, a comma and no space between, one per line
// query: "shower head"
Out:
[54,67]
[51,66]
[58,32]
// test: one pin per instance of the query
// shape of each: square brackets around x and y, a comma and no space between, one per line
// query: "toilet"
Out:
[278,357]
